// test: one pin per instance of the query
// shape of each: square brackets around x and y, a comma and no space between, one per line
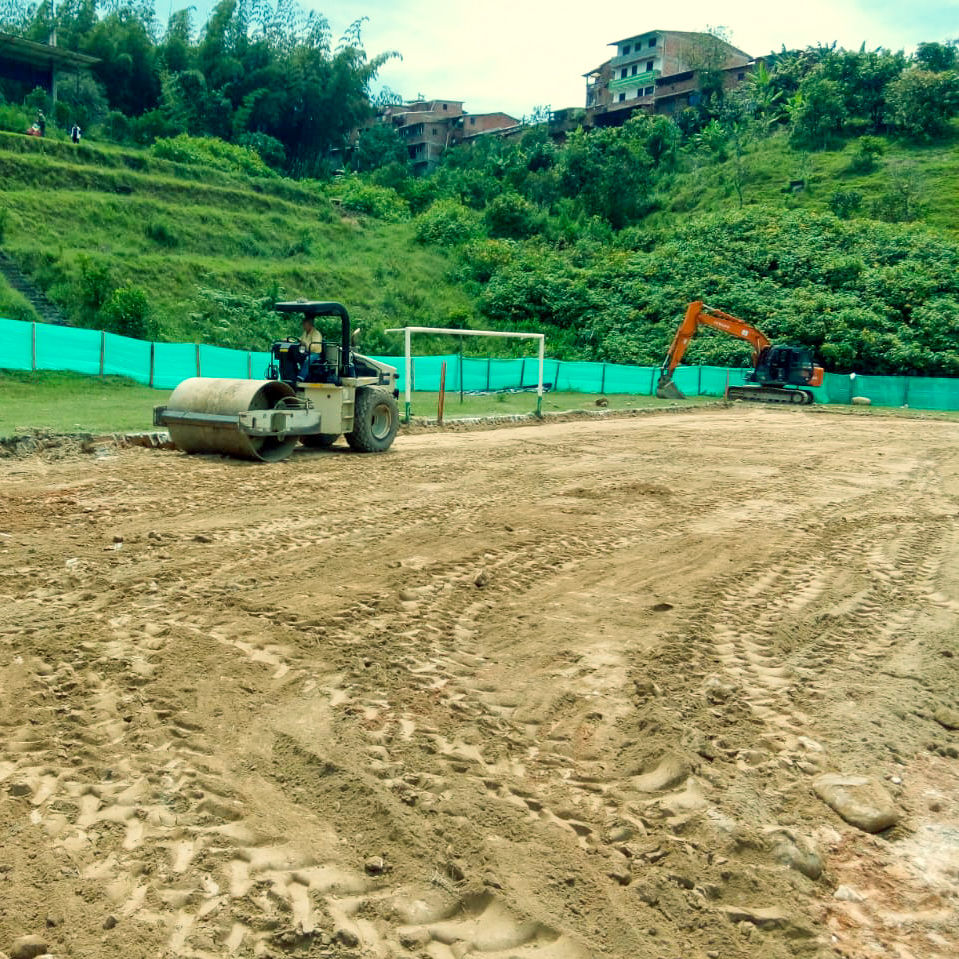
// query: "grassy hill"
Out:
[930,172]
[208,248]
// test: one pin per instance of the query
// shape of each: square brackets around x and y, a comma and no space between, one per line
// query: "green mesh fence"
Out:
[43,346]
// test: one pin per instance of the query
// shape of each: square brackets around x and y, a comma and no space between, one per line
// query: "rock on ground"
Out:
[860,800]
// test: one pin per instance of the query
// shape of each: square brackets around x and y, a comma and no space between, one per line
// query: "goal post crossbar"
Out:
[407,332]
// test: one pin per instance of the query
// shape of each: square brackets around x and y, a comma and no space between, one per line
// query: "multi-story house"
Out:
[658,72]
[430,127]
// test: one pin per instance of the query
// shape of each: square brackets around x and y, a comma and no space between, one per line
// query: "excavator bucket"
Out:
[666,389]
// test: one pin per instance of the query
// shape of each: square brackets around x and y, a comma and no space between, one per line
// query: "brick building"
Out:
[430,127]
[658,72]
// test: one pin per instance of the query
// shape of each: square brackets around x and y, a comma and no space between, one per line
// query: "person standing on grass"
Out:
[42,123]
[75,133]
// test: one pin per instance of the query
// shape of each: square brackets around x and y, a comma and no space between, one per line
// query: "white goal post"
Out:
[408,372]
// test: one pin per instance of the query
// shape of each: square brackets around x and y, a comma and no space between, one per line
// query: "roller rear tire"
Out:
[376,419]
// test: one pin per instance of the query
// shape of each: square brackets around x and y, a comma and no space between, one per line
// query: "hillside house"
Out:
[430,127]
[659,72]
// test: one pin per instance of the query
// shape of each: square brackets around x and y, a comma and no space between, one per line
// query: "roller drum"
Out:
[228,397]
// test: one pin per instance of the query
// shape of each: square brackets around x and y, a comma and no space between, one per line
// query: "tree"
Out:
[937,57]
[763,100]
[708,54]
[378,146]
[128,60]
[817,112]
[609,173]
[921,103]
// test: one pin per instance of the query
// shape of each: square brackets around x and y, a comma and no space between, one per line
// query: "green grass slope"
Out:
[211,249]
[208,249]
[929,173]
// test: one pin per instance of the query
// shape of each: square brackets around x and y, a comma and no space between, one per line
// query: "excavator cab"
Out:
[784,366]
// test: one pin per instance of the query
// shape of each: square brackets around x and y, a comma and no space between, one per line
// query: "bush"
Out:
[920,103]
[845,203]
[95,283]
[384,203]
[149,127]
[116,126]
[37,99]
[14,119]
[901,202]
[509,216]
[484,257]
[240,320]
[713,138]
[211,152]
[302,246]
[160,233]
[867,154]
[15,306]
[447,223]
[270,150]
[128,313]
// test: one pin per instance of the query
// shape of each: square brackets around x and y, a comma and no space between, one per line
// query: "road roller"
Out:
[338,392]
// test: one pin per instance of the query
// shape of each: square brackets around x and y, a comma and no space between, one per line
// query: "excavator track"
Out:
[770,394]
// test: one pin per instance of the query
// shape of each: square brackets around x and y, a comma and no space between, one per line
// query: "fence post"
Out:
[103,351]
[556,378]
[522,372]
[249,365]
[33,346]
[153,350]
[198,360]
[602,380]
[489,370]
[652,381]
[905,392]
[442,396]
[699,381]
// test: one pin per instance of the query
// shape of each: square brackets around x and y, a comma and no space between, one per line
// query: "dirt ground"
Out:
[555,691]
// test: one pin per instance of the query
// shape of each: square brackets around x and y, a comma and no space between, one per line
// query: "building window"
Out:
[622,73]
[740,76]
[625,49]
[652,41]
[472,121]
[445,107]
[622,97]
[635,68]
[649,64]
[648,91]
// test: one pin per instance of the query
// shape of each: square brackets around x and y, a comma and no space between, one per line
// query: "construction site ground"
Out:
[552,691]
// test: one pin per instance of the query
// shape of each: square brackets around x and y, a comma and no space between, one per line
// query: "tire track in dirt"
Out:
[235,767]
[852,600]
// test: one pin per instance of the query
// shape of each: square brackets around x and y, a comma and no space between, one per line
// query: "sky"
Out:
[516,55]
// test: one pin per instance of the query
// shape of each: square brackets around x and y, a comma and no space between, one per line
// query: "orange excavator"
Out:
[777,370]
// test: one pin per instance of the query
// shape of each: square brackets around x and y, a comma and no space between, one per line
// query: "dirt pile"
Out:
[560,691]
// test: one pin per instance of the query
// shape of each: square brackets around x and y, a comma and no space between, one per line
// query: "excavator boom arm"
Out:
[697,315]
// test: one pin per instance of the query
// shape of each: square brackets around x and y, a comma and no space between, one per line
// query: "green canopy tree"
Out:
[921,103]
